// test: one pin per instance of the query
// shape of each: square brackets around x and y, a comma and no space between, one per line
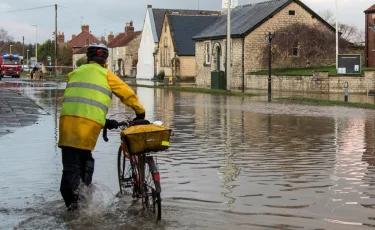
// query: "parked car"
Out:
[25,68]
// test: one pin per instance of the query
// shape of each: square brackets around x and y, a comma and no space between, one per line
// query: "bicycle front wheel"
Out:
[152,189]
[125,173]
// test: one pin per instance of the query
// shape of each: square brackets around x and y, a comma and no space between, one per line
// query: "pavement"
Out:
[16,111]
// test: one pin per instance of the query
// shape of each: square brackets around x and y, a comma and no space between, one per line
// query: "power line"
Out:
[35,8]
[101,16]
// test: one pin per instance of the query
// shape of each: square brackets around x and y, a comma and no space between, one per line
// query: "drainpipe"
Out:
[243,64]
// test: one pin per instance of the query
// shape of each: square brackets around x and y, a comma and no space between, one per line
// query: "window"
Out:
[294,49]
[207,53]
[292,12]
[164,53]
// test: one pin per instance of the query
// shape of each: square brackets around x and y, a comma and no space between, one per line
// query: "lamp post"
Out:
[27,57]
[36,44]
[10,49]
[269,38]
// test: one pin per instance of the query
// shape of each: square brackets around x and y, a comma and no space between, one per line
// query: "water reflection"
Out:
[238,163]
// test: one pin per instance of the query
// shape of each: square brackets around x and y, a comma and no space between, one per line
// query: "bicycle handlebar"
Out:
[105,129]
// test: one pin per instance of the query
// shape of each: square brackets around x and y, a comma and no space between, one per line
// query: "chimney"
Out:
[85,28]
[110,37]
[149,6]
[129,29]
[61,38]
[73,36]
[102,40]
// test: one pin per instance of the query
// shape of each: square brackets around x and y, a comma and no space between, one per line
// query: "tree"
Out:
[45,50]
[348,32]
[81,61]
[65,56]
[328,16]
[301,45]
[4,36]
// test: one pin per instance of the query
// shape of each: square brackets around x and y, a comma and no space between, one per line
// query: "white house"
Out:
[153,23]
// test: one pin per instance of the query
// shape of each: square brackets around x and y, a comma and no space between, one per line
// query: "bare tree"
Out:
[348,32]
[4,36]
[328,16]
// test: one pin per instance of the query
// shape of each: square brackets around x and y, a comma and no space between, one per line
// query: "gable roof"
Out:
[80,39]
[159,15]
[246,18]
[183,28]
[123,39]
[371,9]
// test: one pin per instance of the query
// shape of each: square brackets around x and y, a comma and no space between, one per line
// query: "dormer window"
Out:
[292,12]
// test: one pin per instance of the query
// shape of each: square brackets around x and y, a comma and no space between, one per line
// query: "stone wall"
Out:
[187,67]
[320,82]
[165,49]
[131,54]
[203,70]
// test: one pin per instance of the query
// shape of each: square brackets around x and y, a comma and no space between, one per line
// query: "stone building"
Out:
[370,36]
[123,51]
[152,27]
[176,50]
[249,23]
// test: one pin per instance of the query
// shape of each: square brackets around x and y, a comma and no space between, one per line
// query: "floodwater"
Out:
[234,163]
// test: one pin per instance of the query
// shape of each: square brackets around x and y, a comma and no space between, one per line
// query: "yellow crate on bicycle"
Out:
[146,138]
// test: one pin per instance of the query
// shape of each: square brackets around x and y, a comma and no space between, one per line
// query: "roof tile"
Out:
[123,39]
[159,15]
[80,39]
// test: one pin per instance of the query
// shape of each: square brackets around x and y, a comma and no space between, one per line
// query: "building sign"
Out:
[349,64]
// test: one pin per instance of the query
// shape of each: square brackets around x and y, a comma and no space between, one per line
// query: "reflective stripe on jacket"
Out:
[87,94]
[81,132]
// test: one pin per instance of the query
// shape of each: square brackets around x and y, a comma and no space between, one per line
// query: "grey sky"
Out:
[111,15]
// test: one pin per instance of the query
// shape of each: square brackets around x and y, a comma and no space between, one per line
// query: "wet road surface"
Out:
[234,163]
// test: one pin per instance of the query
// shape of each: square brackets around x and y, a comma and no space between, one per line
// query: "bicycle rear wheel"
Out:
[125,173]
[151,194]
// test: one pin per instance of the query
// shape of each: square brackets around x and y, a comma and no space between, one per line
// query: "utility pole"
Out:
[55,40]
[229,4]
[23,48]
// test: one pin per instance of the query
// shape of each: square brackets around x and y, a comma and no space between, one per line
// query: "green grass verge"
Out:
[196,90]
[305,100]
[304,71]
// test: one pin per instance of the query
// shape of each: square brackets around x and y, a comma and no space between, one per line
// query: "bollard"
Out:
[346,86]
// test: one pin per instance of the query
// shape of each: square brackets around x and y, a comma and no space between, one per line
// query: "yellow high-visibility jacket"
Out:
[87,99]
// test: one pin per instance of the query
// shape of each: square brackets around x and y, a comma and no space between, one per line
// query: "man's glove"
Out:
[140,116]
[111,124]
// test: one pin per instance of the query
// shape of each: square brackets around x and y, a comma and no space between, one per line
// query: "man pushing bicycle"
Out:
[86,101]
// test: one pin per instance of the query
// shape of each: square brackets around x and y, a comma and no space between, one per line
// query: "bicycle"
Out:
[138,173]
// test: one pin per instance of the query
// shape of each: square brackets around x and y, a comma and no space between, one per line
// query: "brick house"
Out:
[123,51]
[370,36]
[152,27]
[176,53]
[249,25]
[83,39]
